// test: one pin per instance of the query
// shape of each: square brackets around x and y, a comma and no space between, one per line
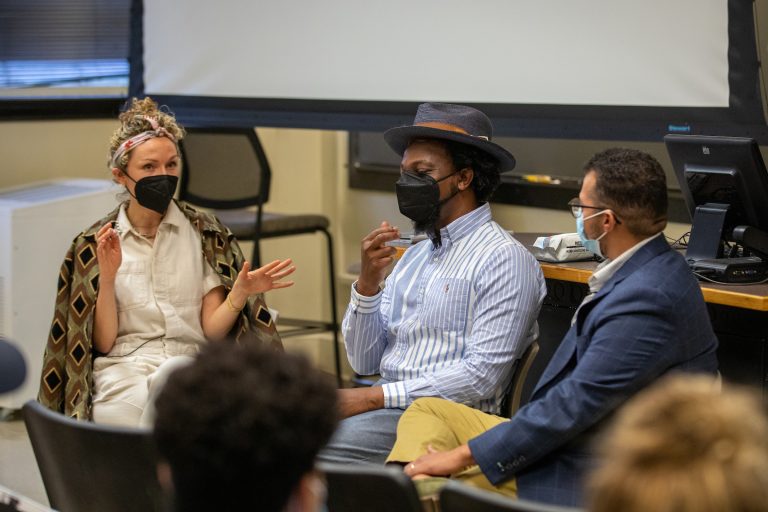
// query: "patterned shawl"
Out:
[67,376]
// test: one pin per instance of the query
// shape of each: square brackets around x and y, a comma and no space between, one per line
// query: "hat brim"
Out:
[399,138]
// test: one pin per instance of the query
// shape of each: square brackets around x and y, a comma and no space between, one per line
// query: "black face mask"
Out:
[418,196]
[155,192]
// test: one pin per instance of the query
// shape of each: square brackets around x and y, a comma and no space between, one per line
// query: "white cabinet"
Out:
[37,225]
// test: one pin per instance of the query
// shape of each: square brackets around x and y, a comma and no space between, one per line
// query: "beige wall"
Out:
[35,151]
[309,176]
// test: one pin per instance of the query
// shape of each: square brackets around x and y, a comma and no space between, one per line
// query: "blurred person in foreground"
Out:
[239,429]
[685,446]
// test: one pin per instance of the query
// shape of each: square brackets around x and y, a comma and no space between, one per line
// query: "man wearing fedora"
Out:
[459,308]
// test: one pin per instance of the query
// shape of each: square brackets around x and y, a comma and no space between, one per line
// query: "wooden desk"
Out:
[753,296]
[739,316]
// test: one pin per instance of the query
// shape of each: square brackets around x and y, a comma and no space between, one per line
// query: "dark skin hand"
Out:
[375,257]
[359,400]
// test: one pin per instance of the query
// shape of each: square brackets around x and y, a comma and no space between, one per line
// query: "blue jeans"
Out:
[363,439]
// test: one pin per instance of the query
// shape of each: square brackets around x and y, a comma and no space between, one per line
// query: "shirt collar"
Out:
[466,224]
[173,216]
[608,268]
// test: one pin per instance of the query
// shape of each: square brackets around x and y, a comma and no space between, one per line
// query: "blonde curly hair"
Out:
[132,123]
[685,446]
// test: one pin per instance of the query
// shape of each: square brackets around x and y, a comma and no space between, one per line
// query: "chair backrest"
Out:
[369,488]
[224,168]
[86,466]
[511,402]
[459,498]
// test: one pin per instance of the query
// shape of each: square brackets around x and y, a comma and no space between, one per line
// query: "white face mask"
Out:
[592,245]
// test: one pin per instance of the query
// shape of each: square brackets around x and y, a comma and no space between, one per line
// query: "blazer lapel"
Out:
[646,253]
[574,342]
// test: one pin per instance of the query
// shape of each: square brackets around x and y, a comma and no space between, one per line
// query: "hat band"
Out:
[450,128]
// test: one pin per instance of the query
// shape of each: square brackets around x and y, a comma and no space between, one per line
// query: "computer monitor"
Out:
[725,185]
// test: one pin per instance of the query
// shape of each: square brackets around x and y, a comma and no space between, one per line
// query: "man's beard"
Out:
[427,226]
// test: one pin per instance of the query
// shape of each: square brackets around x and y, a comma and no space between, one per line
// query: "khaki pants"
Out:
[445,425]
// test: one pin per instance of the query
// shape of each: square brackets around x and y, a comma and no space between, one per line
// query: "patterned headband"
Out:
[136,140]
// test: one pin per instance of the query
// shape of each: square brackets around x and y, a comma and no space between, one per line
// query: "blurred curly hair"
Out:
[684,446]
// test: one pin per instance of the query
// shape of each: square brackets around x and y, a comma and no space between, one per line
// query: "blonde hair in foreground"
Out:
[685,446]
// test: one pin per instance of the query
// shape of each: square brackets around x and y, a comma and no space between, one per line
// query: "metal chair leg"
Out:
[256,255]
[334,324]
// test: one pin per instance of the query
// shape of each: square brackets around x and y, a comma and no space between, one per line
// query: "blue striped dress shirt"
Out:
[452,320]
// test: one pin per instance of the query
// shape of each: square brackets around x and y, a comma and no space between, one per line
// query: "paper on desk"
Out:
[563,247]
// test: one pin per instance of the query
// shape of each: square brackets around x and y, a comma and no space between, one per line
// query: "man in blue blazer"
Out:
[645,316]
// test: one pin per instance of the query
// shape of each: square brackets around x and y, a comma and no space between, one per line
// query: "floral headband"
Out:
[136,140]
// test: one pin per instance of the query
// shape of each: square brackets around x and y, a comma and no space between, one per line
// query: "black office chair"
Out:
[226,170]
[370,488]
[457,497]
[514,396]
[86,466]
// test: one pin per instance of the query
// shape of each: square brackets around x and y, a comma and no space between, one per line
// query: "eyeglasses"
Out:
[576,209]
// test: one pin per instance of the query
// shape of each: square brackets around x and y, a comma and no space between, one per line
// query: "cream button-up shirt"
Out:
[160,286]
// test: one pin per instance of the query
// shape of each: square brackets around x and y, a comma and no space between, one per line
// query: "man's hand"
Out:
[359,400]
[375,257]
[436,463]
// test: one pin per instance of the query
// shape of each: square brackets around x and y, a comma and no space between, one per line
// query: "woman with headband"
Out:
[143,288]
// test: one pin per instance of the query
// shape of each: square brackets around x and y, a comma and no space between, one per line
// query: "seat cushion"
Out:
[243,223]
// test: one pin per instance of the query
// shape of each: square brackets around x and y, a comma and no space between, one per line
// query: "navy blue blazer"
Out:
[648,319]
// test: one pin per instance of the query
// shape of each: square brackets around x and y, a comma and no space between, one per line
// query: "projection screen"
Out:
[633,65]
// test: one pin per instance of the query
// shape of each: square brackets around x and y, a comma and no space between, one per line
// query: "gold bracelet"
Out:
[232,307]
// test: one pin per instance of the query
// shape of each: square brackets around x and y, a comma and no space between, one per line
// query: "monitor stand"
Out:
[705,249]
[707,232]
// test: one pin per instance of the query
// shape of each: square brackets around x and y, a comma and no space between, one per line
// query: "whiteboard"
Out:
[650,53]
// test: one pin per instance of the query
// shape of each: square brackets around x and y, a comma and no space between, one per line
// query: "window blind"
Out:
[64,44]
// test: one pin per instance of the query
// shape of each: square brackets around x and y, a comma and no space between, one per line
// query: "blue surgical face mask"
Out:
[592,246]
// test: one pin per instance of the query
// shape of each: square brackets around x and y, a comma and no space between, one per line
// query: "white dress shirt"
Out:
[451,320]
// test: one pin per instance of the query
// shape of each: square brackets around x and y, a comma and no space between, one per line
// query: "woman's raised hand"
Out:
[265,278]
[108,252]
